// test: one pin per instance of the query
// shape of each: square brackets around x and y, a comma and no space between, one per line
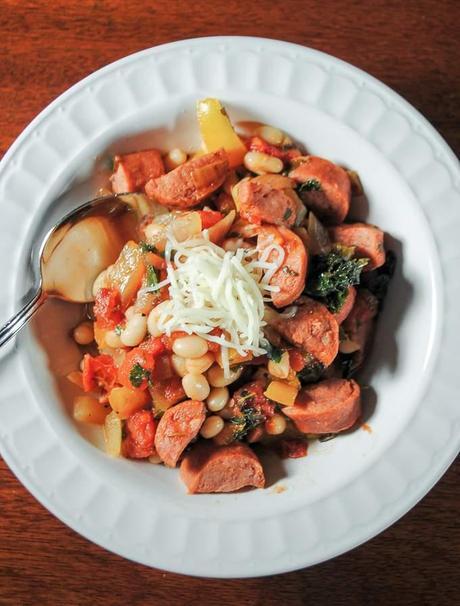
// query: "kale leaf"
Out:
[146,247]
[151,274]
[331,275]
[249,419]
[273,353]
[311,372]
[309,185]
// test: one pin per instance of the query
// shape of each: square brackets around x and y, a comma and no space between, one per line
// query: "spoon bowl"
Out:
[73,253]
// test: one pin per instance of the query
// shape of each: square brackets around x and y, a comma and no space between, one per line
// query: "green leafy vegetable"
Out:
[146,247]
[151,275]
[249,419]
[377,281]
[311,372]
[273,353]
[331,275]
[138,374]
[117,329]
[309,185]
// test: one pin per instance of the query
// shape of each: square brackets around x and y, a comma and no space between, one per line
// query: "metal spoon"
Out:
[105,207]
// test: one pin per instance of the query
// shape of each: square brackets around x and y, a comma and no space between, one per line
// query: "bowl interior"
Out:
[396,372]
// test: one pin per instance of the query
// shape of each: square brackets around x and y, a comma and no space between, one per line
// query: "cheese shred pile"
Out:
[212,288]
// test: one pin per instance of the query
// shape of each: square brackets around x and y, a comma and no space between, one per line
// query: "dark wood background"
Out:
[413,46]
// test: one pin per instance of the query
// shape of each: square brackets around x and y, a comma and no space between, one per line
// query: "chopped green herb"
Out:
[249,419]
[273,353]
[117,329]
[146,247]
[151,275]
[331,275]
[309,185]
[138,374]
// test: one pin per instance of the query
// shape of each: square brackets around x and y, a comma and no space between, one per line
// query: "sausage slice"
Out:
[290,277]
[359,324]
[330,406]
[367,240]
[313,329]
[347,305]
[327,188]
[189,184]
[177,428]
[211,468]
[268,199]
[132,171]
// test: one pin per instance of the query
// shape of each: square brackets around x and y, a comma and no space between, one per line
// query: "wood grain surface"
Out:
[413,46]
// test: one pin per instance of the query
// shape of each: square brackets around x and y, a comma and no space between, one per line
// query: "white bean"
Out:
[197,366]
[216,376]
[260,163]
[135,330]
[275,425]
[179,365]
[112,339]
[129,313]
[217,399]
[83,334]
[272,135]
[190,347]
[211,427]
[196,387]
[152,320]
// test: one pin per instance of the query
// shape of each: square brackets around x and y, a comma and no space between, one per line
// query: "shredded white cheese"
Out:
[213,288]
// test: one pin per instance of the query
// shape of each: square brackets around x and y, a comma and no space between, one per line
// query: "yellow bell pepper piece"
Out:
[282,392]
[217,131]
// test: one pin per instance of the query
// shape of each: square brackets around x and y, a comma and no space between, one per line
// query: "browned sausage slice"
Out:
[211,468]
[189,184]
[327,188]
[330,406]
[290,278]
[132,171]
[367,240]
[313,329]
[268,199]
[359,323]
[347,305]
[177,428]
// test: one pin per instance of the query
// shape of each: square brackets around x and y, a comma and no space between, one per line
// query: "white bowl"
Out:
[346,490]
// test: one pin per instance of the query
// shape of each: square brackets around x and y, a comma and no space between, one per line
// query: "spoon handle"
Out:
[21,317]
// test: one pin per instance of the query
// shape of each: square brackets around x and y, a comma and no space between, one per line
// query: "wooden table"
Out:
[44,48]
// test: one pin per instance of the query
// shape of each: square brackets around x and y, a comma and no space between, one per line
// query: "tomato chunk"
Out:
[107,308]
[296,360]
[209,218]
[154,345]
[136,368]
[140,435]
[99,372]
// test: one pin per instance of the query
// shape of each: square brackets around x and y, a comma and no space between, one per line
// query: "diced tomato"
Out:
[154,345]
[173,390]
[140,435]
[107,308]
[296,360]
[209,218]
[293,448]
[99,372]
[252,395]
[135,369]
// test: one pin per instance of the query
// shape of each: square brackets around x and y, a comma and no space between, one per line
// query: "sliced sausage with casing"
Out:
[178,426]
[366,239]
[290,277]
[268,199]
[359,324]
[347,305]
[313,329]
[132,171]
[210,468]
[327,189]
[189,184]
[330,406]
